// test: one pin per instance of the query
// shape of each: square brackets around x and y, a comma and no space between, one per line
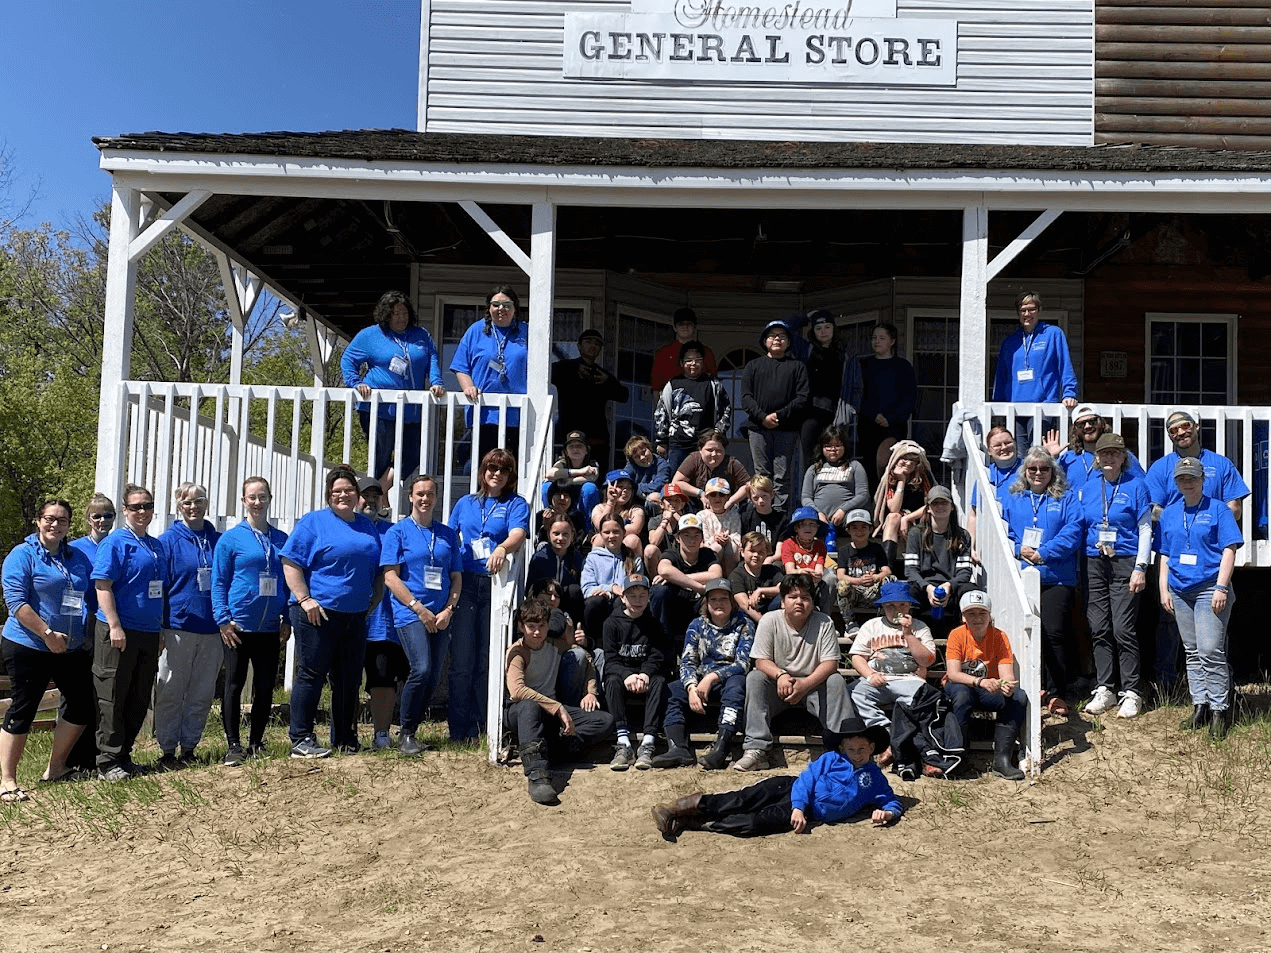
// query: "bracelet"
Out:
[1220,589]
[307,599]
[979,682]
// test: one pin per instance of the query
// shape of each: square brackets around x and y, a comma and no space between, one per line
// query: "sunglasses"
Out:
[1037,469]
[106,517]
[497,468]
[139,507]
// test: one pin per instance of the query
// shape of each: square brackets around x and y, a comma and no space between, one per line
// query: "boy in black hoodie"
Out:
[634,643]
[774,395]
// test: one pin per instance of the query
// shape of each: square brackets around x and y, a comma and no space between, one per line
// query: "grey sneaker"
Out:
[408,744]
[644,757]
[308,747]
[235,756]
[114,774]
[752,759]
[1102,699]
[623,757]
[382,741]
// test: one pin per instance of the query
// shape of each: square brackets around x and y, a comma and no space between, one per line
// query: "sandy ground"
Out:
[1137,837]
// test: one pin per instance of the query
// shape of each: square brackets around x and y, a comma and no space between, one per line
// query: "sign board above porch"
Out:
[976,71]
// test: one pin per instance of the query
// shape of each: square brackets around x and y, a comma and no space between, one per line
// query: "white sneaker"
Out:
[752,759]
[1101,701]
[1131,705]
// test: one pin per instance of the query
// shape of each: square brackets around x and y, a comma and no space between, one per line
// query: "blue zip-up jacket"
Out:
[189,608]
[545,564]
[653,478]
[723,650]
[1062,532]
[1046,355]
[241,555]
[830,789]
[378,348]
[32,577]
[602,569]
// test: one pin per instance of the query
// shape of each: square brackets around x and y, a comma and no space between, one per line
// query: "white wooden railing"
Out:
[1016,595]
[1239,433]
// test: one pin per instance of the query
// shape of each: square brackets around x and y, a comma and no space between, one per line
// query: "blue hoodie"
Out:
[830,789]
[32,577]
[240,557]
[189,607]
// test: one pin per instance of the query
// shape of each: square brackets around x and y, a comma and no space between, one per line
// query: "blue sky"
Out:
[74,69]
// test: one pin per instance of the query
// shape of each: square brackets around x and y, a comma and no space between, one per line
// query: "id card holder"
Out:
[398,365]
[1187,559]
[156,589]
[72,600]
[268,583]
[1032,537]
[1025,375]
[432,578]
[203,578]
[481,548]
[1107,536]
[498,367]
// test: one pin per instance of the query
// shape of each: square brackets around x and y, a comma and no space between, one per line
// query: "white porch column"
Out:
[121,283]
[542,298]
[973,308]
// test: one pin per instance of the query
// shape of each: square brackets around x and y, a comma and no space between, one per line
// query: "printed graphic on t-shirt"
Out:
[890,655]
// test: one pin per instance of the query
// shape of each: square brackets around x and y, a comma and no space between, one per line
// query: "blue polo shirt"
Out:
[34,577]
[1060,523]
[86,546]
[476,517]
[1001,478]
[379,624]
[1082,468]
[508,347]
[1204,533]
[1222,480]
[131,564]
[1121,503]
[340,559]
[415,549]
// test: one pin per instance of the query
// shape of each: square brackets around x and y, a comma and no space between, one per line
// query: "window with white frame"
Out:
[1191,358]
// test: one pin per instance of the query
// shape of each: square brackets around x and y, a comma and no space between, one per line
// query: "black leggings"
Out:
[261,649]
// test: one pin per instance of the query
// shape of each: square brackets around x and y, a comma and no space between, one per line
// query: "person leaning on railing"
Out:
[493,358]
[44,586]
[397,354]
[331,563]
[131,576]
[492,525]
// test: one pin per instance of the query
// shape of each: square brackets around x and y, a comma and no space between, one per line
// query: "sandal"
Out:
[13,795]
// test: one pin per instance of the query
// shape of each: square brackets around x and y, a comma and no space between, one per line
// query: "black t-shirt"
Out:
[858,562]
[743,582]
[770,524]
[705,559]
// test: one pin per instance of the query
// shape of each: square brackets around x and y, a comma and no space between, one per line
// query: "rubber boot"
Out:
[1003,747]
[680,754]
[717,758]
[1219,724]
[1199,720]
[672,819]
[534,761]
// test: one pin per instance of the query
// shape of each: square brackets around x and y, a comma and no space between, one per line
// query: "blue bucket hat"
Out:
[895,591]
[805,513]
[776,323]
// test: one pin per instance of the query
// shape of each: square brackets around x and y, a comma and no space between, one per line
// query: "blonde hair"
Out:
[761,482]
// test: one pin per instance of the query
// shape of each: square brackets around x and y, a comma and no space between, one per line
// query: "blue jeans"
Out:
[732,699]
[1204,636]
[336,647]
[964,698]
[425,651]
[385,437]
[469,658]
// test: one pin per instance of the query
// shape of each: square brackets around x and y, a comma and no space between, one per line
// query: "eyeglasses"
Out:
[501,305]
[1028,309]
[54,520]
[194,501]
[1037,469]
[104,517]
[140,507]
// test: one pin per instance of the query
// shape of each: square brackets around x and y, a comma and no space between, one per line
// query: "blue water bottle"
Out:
[938,611]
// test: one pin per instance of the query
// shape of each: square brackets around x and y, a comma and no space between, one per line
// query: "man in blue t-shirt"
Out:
[1222,480]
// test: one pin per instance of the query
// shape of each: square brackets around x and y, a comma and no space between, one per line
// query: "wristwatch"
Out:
[48,631]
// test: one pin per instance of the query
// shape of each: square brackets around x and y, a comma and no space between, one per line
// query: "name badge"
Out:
[203,578]
[1025,375]
[397,365]
[156,589]
[432,577]
[1033,537]
[73,600]
[498,367]
[1187,559]
[268,583]
[482,547]
[1107,536]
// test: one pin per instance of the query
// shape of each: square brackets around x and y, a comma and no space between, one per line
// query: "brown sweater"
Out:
[517,663]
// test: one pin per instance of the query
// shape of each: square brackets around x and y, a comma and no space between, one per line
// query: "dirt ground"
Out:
[1138,837]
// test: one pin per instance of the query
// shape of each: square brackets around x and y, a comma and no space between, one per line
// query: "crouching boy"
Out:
[832,788]
[547,728]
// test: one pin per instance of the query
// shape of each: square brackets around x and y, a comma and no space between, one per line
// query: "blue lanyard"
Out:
[205,558]
[1040,499]
[1028,346]
[265,545]
[57,564]
[1187,527]
[431,537]
[1103,488]
[410,368]
[485,517]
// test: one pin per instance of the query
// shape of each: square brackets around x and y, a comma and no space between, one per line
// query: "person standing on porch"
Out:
[493,358]
[889,394]
[394,353]
[834,385]
[774,394]
[1034,366]
[584,391]
[666,362]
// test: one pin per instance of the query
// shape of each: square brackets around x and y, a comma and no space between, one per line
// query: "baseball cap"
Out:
[939,493]
[613,476]
[717,485]
[591,333]
[575,436]
[717,585]
[690,521]
[1189,466]
[368,483]
[859,516]
[673,489]
[634,580]
[976,598]
[684,316]
[1110,441]
[1083,411]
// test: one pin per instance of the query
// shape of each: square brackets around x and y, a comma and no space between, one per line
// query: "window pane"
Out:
[1162,380]
[1188,338]
[1188,373]
[1213,377]
[1162,339]
[1213,340]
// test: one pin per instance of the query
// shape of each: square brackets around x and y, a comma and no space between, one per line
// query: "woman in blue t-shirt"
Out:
[131,576]
[493,357]
[423,570]
[1199,539]
[331,563]
[45,582]
[249,603]
[398,355]
[492,524]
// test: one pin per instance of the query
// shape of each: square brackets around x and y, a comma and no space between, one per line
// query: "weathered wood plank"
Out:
[1198,125]
[1174,88]
[1173,33]
[1179,139]
[1180,106]
[1176,71]
[1173,52]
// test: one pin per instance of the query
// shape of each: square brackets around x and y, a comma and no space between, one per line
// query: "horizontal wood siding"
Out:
[1192,73]
[1025,73]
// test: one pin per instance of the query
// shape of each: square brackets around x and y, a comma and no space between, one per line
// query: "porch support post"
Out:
[1009,253]
[498,236]
[542,296]
[973,308]
[121,284]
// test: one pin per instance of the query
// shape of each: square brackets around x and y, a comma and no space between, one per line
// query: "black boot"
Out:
[1199,719]
[534,760]
[673,818]
[680,754]
[717,757]
[1003,747]
[1219,724]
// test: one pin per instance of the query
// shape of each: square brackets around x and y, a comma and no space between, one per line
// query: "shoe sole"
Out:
[298,754]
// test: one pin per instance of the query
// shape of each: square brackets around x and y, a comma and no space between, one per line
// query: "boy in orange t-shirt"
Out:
[981,672]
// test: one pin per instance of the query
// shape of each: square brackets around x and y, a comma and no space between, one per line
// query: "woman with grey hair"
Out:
[1043,520]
